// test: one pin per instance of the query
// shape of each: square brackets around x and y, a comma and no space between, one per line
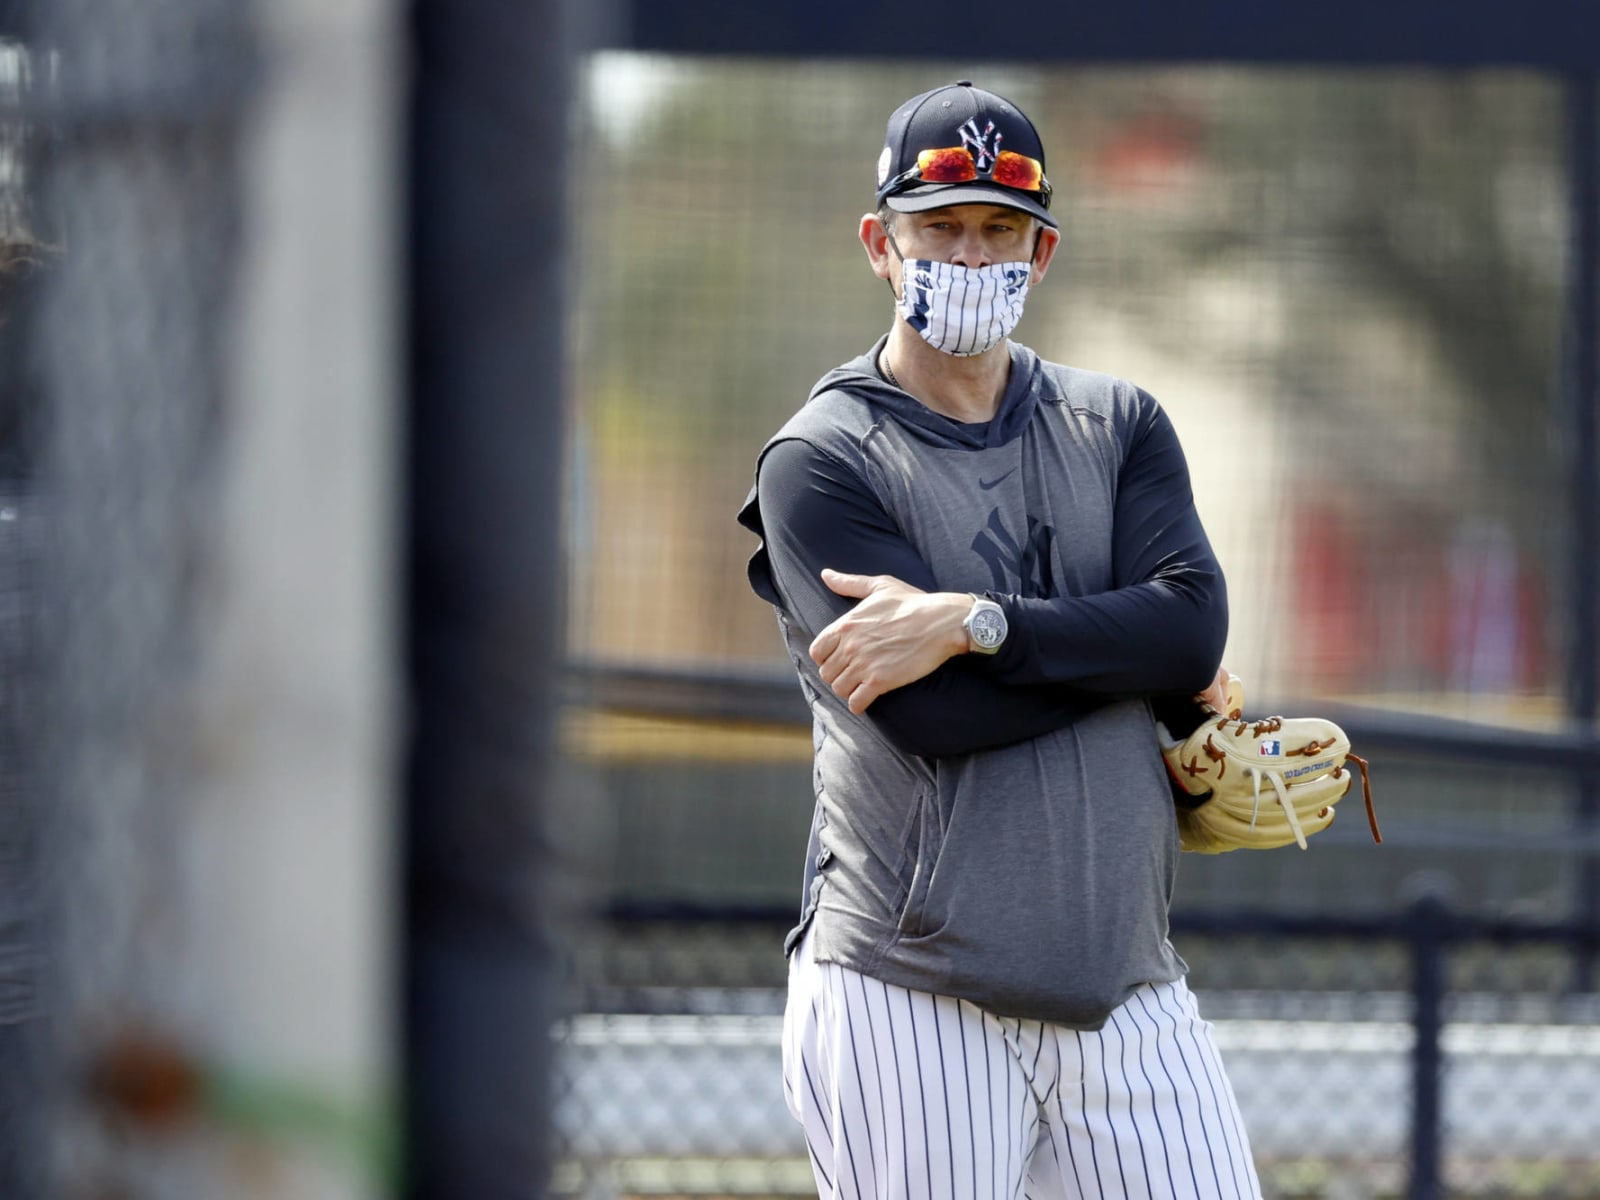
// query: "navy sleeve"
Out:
[1162,628]
[815,513]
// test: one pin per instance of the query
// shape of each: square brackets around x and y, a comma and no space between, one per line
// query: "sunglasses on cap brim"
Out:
[955,164]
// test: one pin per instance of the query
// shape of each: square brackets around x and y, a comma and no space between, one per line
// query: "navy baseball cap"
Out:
[959,144]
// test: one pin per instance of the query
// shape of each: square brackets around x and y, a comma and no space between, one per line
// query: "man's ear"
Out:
[1044,249]
[875,240]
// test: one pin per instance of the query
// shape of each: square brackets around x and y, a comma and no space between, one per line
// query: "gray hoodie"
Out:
[1001,831]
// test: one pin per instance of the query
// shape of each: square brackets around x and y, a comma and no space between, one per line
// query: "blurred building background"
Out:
[261,654]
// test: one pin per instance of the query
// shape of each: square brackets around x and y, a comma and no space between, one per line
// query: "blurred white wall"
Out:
[299,822]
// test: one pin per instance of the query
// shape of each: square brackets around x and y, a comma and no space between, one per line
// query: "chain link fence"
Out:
[667,1079]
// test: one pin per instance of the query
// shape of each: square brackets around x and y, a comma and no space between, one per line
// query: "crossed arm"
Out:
[821,526]
[899,634]
[901,652]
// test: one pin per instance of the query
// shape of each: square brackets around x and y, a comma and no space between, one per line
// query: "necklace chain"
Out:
[888,371]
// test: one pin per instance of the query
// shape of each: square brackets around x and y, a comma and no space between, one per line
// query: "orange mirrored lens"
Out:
[1018,171]
[954,165]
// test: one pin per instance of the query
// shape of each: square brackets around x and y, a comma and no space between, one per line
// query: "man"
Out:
[987,569]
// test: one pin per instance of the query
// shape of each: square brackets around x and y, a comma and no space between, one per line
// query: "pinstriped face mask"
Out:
[961,310]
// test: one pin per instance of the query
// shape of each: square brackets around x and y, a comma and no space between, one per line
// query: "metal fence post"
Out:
[1582,418]
[487,257]
[1427,923]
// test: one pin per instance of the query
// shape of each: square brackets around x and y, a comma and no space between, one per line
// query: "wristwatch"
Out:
[985,626]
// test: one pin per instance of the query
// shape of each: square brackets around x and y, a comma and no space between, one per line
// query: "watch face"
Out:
[988,628]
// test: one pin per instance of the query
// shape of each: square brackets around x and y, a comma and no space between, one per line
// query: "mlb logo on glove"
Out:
[1271,749]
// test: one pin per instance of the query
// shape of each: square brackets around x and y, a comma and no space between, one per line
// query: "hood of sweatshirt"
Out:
[860,377]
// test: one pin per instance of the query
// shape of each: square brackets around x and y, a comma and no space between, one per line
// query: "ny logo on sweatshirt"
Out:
[1030,563]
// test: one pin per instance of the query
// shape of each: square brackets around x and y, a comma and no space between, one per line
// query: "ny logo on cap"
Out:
[984,146]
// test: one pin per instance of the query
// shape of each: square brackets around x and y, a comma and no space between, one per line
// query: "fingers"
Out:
[828,647]
[826,643]
[822,648]
[882,643]
[843,671]
[840,669]
[855,586]
[1214,697]
[845,584]
[843,675]
[861,697]
[1225,695]
[851,686]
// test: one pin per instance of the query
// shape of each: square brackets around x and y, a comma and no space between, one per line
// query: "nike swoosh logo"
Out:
[987,484]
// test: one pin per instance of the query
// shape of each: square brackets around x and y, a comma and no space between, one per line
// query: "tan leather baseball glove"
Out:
[1257,785]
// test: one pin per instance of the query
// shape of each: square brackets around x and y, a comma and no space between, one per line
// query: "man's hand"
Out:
[895,636]
[1225,694]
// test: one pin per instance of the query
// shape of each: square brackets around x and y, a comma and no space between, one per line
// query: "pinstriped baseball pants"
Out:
[906,1095]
